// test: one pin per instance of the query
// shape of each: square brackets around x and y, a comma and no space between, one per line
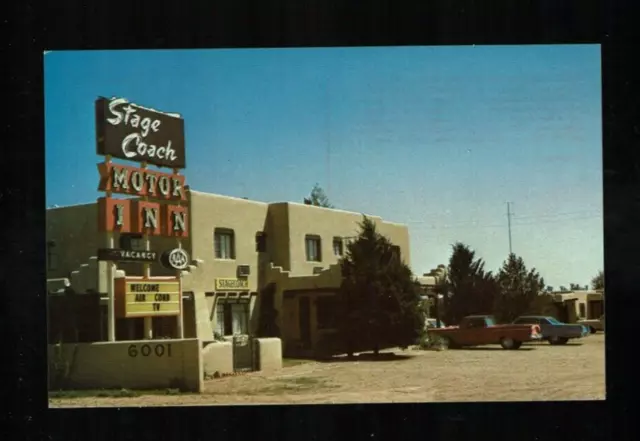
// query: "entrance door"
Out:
[305,321]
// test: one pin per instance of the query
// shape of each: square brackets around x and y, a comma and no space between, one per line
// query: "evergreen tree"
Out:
[519,288]
[318,198]
[379,300]
[598,281]
[471,289]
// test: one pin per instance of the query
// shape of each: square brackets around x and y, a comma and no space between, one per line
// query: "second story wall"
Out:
[240,219]
[278,235]
[73,233]
[327,225]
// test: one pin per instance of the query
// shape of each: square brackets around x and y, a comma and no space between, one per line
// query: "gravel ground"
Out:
[535,372]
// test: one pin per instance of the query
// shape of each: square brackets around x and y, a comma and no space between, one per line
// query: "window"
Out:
[261,242]
[326,311]
[132,242]
[232,317]
[527,321]
[583,309]
[52,256]
[224,243]
[338,247]
[312,244]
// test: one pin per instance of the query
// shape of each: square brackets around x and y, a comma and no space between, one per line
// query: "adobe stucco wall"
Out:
[328,223]
[269,353]
[217,357]
[106,365]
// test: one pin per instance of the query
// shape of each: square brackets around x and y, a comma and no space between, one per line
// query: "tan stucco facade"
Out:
[144,364]
[581,305]
[283,264]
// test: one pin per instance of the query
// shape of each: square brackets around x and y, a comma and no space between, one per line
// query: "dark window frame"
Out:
[52,256]
[313,238]
[261,242]
[340,242]
[131,241]
[227,313]
[217,251]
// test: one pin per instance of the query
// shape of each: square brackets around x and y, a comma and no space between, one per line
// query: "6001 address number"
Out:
[158,350]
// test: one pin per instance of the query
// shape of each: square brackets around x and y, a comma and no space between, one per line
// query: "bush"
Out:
[428,341]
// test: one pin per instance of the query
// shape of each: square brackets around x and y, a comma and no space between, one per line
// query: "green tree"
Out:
[470,289]
[318,198]
[379,299]
[519,288]
[598,281]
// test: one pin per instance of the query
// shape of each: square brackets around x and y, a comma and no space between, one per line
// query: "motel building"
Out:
[255,269]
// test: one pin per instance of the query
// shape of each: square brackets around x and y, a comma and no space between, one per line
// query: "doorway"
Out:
[304,316]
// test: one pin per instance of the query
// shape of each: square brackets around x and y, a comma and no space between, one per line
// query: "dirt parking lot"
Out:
[538,371]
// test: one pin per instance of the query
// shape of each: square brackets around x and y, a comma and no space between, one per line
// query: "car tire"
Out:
[516,345]
[451,344]
[592,329]
[563,341]
[553,340]
[507,343]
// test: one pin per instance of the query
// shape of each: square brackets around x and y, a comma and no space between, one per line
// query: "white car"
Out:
[594,325]
[433,323]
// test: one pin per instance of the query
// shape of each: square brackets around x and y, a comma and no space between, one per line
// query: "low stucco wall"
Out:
[217,357]
[140,364]
[269,353]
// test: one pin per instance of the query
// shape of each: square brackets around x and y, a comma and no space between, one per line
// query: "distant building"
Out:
[428,282]
[572,306]
[286,253]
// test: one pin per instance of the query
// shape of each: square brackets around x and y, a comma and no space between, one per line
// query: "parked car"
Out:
[476,330]
[433,323]
[594,325]
[554,331]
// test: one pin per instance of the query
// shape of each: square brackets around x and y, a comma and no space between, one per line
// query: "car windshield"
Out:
[489,321]
[553,321]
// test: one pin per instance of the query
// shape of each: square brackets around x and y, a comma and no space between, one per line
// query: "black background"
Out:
[108,25]
[109,137]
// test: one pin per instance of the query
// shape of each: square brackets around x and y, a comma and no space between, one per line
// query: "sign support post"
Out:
[179,275]
[148,321]
[111,316]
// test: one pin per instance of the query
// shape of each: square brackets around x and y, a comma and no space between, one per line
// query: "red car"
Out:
[477,330]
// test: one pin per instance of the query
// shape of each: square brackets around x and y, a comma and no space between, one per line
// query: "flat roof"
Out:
[252,201]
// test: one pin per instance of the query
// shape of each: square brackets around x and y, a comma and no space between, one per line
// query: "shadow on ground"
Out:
[490,348]
[385,356]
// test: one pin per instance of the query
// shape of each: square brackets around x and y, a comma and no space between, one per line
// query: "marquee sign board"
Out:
[151,297]
[119,255]
[129,131]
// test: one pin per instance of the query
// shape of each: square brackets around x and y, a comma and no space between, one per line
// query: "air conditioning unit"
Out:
[244,270]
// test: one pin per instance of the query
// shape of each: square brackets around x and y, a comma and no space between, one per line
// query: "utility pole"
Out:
[509,223]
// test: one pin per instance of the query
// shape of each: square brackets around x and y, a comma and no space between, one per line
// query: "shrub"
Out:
[428,341]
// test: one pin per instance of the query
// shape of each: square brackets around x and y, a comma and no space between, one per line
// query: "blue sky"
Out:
[439,138]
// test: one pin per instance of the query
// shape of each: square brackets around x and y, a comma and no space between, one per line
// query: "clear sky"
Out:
[439,138]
